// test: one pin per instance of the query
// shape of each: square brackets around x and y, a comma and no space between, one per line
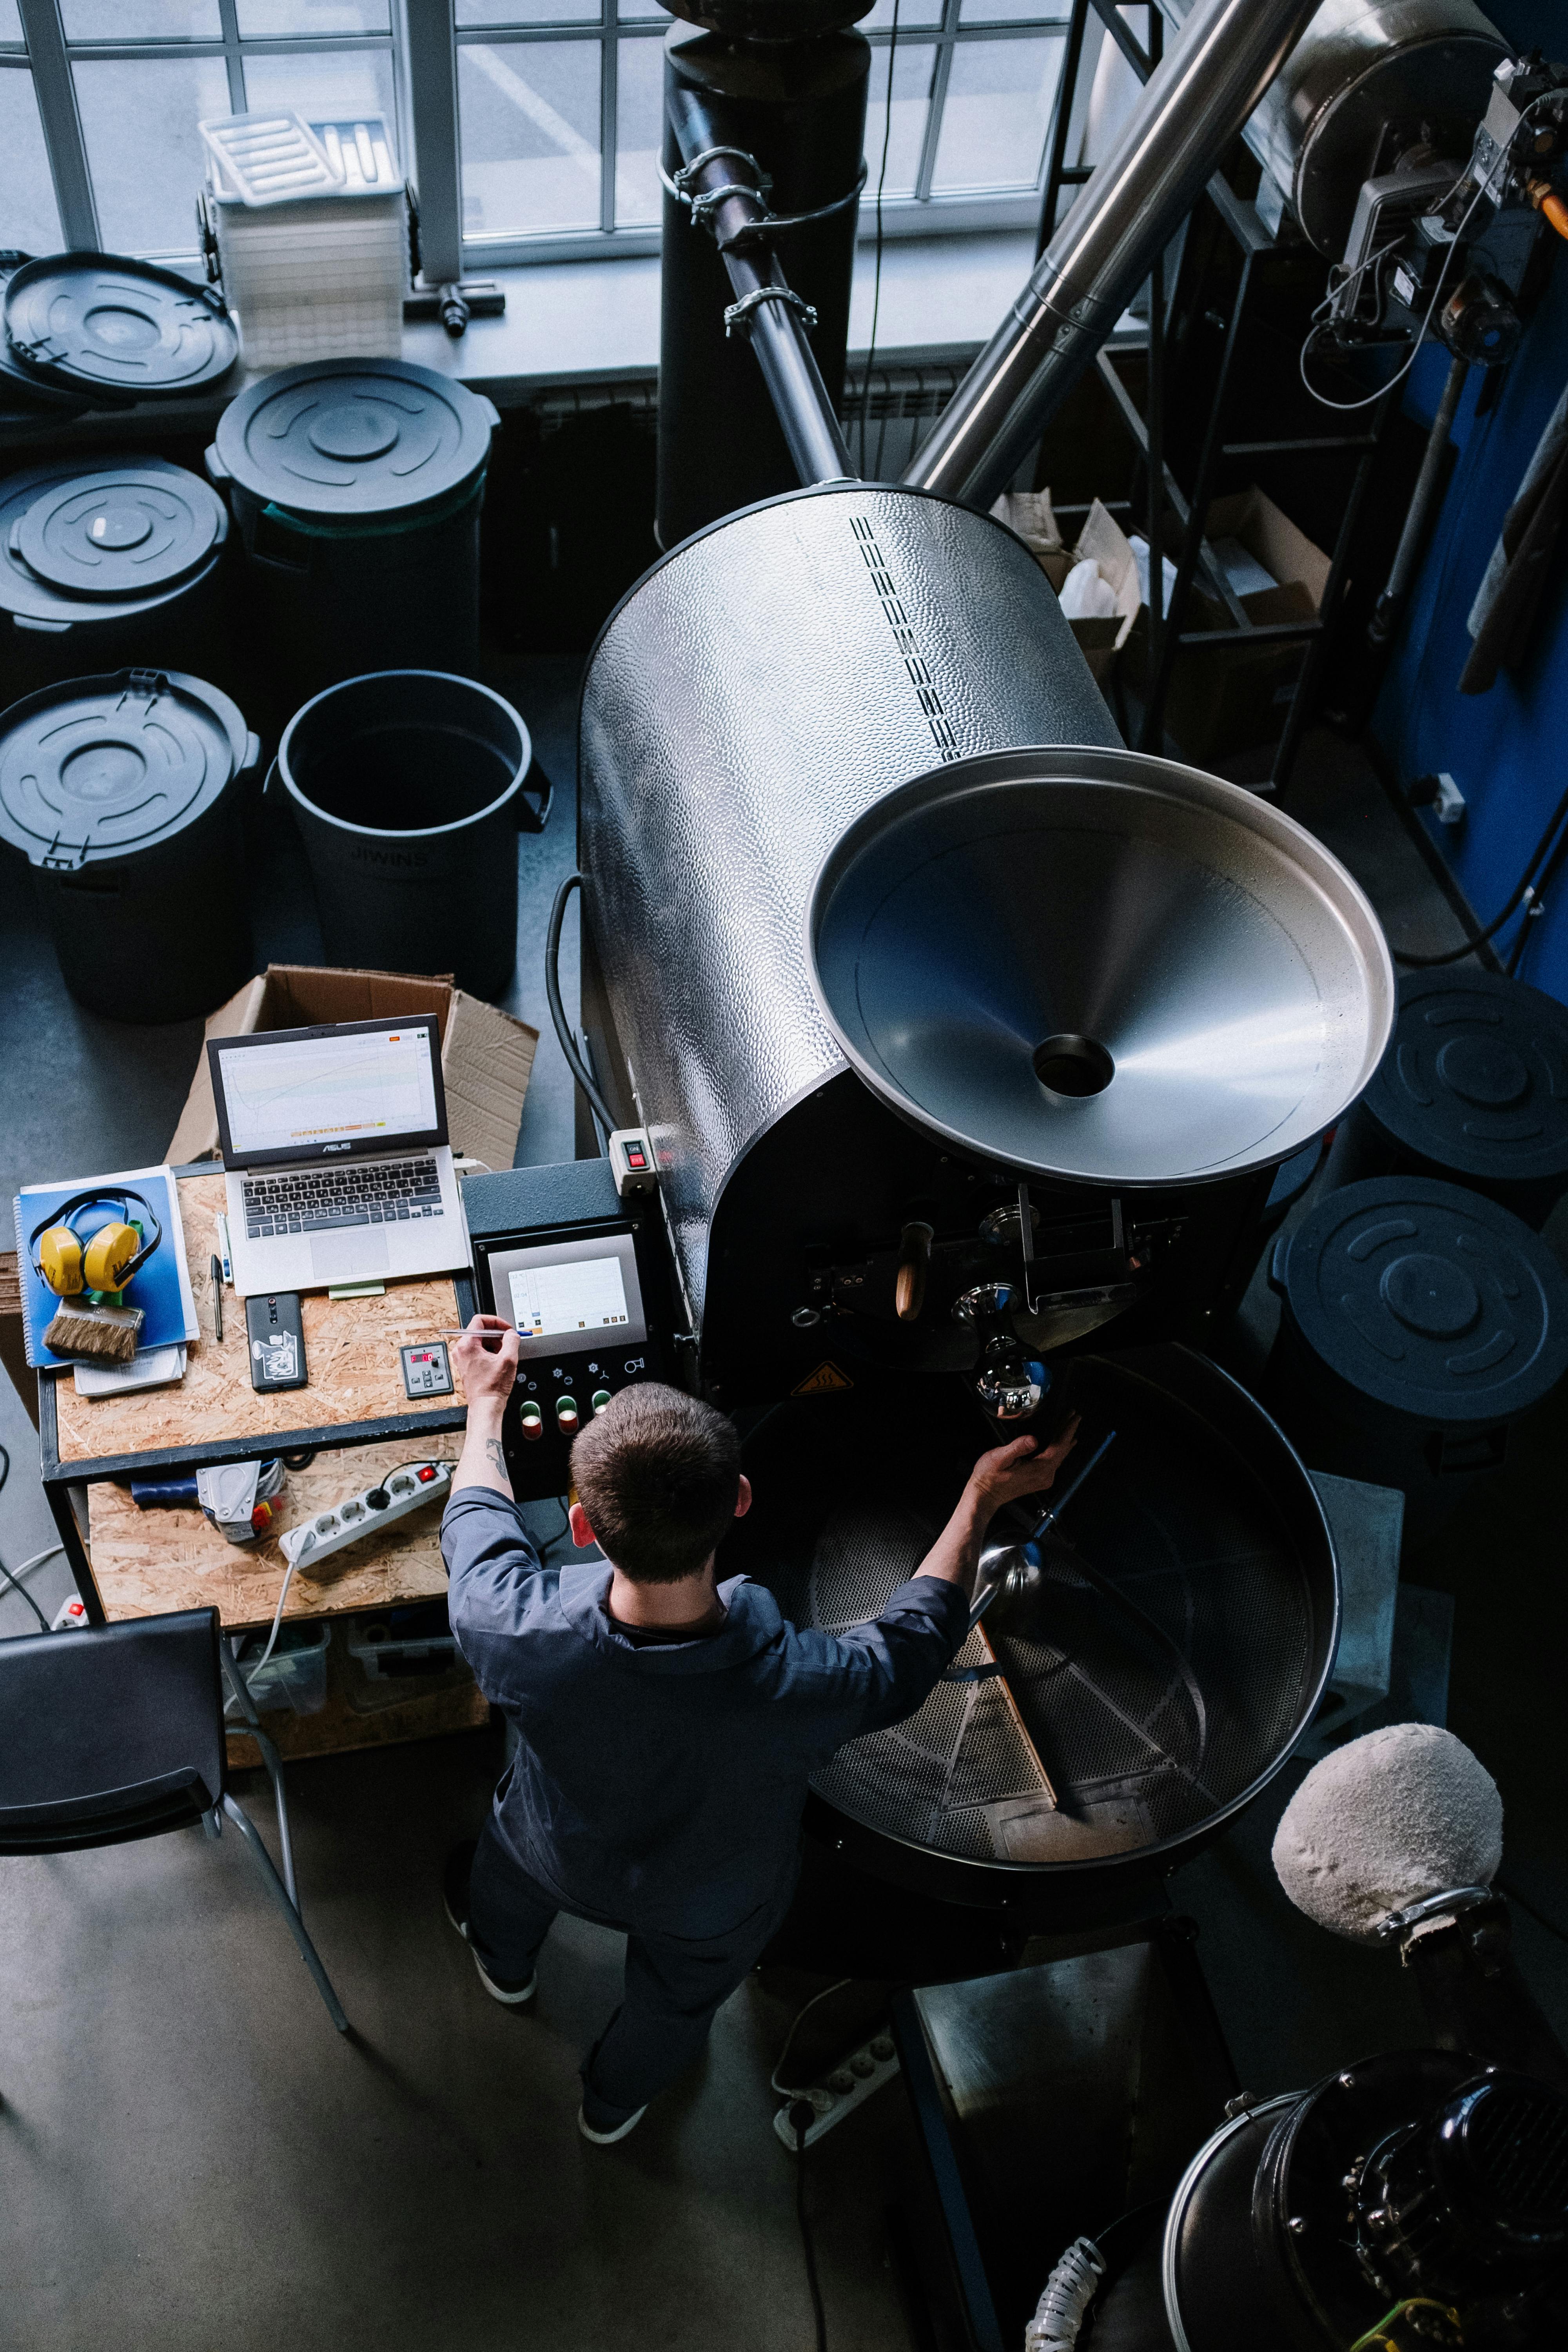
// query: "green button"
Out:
[601,1399]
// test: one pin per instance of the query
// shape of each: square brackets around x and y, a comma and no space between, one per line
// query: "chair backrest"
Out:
[112,1733]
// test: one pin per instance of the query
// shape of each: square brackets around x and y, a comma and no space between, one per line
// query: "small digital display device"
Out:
[426,1368]
[570,1295]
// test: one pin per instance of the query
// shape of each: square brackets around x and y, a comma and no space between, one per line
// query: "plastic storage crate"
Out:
[321,274]
[397,1643]
[295,1675]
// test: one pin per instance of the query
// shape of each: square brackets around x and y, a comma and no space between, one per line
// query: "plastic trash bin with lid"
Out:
[108,566]
[1473,1089]
[409,789]
[123,793]
[356,486]
[1418,1322]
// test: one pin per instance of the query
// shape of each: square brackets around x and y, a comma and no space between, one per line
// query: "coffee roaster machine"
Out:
[962,1049]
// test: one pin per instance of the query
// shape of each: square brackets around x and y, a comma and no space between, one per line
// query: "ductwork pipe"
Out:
[1197,100]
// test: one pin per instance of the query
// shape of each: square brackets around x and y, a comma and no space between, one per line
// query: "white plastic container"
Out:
[295,1675]
[320,275]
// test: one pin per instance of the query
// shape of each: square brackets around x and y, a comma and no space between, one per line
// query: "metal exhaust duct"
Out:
[1196,101]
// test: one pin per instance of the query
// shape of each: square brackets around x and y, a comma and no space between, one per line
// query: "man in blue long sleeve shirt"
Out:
[667,1723]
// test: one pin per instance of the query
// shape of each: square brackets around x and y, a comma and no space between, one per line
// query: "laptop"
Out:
[334,1144]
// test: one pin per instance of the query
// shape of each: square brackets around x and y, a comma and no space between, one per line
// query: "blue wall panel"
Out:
[1507,749]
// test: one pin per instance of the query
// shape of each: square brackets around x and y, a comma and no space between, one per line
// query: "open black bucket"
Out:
[409,788]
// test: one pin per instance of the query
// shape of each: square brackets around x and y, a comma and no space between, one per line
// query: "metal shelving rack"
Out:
[1266,266]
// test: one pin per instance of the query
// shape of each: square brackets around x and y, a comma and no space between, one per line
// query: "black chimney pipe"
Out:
[798,106]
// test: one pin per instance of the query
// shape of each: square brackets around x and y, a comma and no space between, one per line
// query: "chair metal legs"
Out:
[283,1891]
[269,1756]
[279,1895]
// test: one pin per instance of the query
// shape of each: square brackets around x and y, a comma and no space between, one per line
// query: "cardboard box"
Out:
[486,1055]
[1101,543]
[1227,700]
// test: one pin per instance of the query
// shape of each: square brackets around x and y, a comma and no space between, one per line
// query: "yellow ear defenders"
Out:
[106,1260]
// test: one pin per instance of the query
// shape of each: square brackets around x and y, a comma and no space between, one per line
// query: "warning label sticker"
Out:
[823,1381]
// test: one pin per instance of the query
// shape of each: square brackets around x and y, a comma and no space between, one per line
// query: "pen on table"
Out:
[217,1299]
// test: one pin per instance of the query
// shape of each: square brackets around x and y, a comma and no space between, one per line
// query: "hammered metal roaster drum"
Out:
[1151,1705]
[748,710]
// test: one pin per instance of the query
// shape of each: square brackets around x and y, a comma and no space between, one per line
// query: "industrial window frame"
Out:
[423,40]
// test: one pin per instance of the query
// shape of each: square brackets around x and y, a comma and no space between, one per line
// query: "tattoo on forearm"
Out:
[497,1453]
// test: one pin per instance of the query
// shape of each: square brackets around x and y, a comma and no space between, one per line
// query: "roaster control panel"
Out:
[584,1303]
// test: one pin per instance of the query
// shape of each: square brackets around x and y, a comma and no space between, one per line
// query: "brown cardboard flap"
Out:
[1284,552]
[487,1057]
[486,1067]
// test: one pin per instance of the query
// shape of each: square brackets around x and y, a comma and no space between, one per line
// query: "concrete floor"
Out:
[190,2156]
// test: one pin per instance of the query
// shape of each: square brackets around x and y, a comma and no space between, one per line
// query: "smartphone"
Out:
[276,1341]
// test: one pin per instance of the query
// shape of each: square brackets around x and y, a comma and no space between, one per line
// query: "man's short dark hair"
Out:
[658,1475]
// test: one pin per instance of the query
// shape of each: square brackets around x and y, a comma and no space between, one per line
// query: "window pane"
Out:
[911,96]
[1000,11]
[530,135]
[640,123]
[326,84]
[262,20]
[642,12]
[146,158]
[130,20]
[527,12]
[998,111]
[10,22]
[911,13]
[26,192]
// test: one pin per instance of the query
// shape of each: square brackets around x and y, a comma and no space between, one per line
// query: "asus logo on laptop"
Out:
[335,1147]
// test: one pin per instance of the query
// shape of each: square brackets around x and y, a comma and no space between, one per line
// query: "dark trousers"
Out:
[673,1984]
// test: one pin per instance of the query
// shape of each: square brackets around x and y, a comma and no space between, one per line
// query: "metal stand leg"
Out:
[308,1953]
[269,1756]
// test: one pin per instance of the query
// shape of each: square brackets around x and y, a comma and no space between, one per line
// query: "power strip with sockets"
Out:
[844,2088]
[409,1489]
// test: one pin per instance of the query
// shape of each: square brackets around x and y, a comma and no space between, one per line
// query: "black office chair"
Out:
[116,1732]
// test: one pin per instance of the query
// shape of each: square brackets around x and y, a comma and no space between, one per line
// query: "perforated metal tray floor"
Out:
[1098,1736]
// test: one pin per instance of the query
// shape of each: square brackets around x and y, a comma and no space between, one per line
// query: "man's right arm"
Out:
[490,1561]
[897,1661]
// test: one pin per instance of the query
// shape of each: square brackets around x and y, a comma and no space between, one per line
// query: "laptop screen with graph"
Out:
[293,1096]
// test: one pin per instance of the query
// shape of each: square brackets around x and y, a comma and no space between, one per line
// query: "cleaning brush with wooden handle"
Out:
[101,1335]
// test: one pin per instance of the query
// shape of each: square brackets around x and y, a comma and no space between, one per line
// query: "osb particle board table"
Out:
[355,1399]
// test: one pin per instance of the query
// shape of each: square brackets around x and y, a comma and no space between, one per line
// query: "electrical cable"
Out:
[1347,407]
[22,1592]
[568,1044]
[795,2090]
[1521,890]
[14,1576]
[877,271]
[801,2114]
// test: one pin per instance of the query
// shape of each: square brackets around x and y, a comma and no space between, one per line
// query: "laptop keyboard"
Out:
[316,1200]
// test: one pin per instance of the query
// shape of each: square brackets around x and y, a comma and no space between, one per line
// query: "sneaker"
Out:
[605,2133]
[454,1890]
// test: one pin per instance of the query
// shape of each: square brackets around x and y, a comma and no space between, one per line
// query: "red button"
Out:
[425,1475]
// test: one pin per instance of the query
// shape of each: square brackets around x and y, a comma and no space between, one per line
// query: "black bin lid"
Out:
[1475,1076]
[103,320]
[54,564]
[1429,1298]
[121,531]
[25,396]
[345,439]
[99,769]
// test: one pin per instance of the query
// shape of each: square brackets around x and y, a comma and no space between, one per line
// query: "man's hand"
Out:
[486,1360]
[486,1356]
[1025,1467]
[1005,1475]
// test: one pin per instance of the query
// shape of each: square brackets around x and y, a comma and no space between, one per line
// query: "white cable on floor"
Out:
[793,2090]
[1069,2291]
